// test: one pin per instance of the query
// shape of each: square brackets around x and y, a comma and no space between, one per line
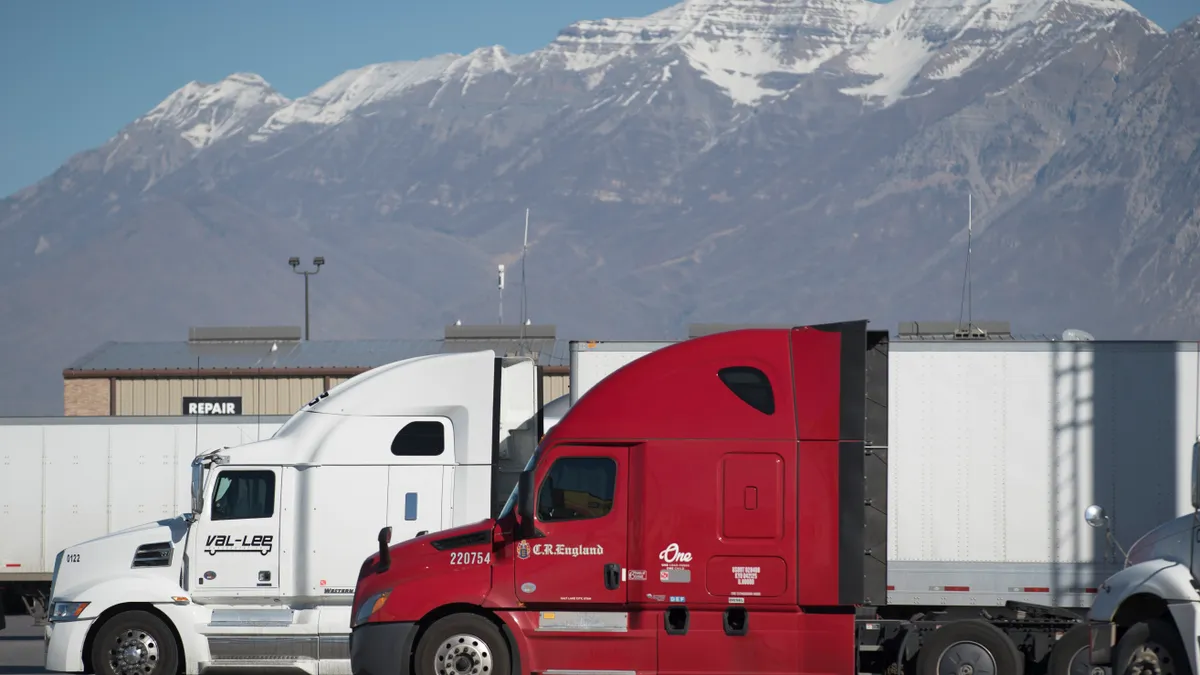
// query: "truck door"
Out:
[582,498]
[235,541]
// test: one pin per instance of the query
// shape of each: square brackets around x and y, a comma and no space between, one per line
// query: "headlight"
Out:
[66,611]
[369,607]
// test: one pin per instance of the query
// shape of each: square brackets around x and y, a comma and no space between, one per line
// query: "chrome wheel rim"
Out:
[1151,659]
[134,651]
[463,654]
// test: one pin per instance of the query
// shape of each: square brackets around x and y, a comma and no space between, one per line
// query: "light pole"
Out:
[294,262]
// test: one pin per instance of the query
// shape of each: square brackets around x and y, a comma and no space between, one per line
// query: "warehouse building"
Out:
[271,370]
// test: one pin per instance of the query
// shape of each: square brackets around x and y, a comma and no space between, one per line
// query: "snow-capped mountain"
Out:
[203,114]
[719,160]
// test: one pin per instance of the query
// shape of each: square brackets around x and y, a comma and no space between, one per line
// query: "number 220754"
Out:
[470,558]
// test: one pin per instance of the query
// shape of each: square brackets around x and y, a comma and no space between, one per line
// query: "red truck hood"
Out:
[425,570]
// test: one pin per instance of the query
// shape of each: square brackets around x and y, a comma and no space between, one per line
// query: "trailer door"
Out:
[582,498]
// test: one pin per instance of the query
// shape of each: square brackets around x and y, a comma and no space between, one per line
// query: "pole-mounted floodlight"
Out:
[500,285]
[295,263]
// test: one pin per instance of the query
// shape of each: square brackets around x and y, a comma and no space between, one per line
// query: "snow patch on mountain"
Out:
[333,101]
[735,43]
[732,43]
[481,62]
[956,61]
[942,39]
[205,113]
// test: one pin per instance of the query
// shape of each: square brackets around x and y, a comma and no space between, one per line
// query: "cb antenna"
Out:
[196,425]
[966,292]
[524,297]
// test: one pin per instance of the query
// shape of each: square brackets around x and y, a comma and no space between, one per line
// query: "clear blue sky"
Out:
[74,73]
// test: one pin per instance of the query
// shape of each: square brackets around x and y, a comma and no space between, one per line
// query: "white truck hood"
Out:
[1171,541]
[148,550]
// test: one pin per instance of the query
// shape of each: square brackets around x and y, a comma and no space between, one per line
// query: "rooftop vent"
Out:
[243,333]
[952,330]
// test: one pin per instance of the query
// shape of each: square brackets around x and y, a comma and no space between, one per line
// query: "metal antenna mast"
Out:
[966,293]
[524,296]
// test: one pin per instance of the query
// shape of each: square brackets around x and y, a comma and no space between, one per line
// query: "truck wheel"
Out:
[134,643]
[1150,646]
[1069,656]
[971,647]
[462,644]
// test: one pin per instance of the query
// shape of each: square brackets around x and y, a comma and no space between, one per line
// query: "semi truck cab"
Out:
[261,571]
[711,506]
[1146,617]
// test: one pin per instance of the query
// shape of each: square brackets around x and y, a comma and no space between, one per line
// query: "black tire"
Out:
[1070,656]
[973,641]
[1147,642]
[134,643]
[467,638]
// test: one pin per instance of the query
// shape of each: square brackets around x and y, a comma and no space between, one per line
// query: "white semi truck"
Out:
[994,448]
[259,570]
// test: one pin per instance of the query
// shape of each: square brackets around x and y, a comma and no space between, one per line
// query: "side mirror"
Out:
[385,555]
[197,487]
[525,501]
[1094,515]
[1196,475]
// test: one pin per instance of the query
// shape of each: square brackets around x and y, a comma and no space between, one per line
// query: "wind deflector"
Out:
[842,398]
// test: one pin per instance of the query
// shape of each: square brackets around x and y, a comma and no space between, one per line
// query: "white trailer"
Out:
[996,449]
[593,360]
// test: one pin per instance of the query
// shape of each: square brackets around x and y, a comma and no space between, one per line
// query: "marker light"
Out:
[371,605]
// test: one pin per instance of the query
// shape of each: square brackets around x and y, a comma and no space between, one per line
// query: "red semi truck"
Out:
[718,505]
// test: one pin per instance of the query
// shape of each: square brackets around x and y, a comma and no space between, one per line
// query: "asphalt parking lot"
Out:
[21,649]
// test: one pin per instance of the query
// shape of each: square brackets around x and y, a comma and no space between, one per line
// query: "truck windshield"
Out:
[512,496]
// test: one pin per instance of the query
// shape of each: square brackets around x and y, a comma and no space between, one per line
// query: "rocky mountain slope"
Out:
[720,160]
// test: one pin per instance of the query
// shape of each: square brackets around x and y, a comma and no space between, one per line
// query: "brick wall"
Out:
[86,397]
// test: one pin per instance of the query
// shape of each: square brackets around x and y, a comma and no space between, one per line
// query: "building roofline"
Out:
[163,373]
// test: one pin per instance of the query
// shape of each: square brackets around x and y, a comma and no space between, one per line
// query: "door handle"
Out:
[612,576]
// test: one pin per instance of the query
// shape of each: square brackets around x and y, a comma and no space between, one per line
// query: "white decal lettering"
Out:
[672,555]
[564,550]
[470,557]
[746,575]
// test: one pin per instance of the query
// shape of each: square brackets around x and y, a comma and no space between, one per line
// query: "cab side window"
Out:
[241,495]
[577,488]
